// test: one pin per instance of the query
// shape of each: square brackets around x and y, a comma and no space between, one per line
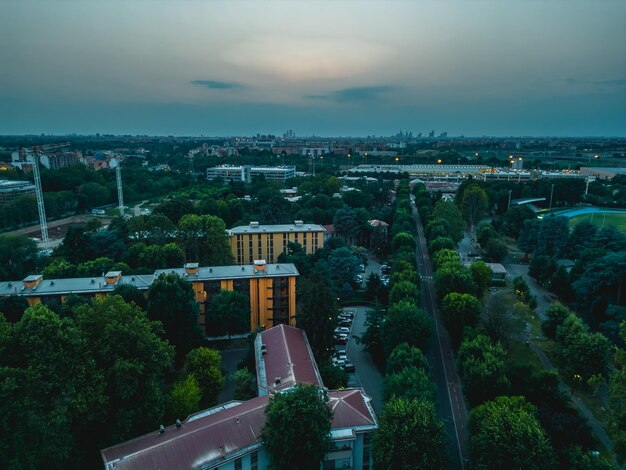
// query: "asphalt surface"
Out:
[366,375]
[450,400]
[230,359]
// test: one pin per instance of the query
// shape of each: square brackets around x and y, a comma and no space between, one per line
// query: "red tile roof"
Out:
[350,409]
[288,356]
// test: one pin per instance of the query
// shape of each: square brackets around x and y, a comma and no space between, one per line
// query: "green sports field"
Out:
[599,219]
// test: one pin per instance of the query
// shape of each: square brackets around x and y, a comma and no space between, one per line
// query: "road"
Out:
[450,398]
[367,375]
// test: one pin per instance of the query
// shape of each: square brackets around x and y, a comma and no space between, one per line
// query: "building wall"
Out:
[248,247]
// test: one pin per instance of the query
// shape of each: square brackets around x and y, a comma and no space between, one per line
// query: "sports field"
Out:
[601,219]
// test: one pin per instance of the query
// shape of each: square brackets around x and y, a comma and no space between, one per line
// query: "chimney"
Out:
[191,269]
[112,277]
[259,265]
[276,381]
[33,280]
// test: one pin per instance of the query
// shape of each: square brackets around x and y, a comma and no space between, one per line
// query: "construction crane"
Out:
[120,193]
[40,203]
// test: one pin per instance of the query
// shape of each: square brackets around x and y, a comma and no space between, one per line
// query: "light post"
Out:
[509,204]
[551,194]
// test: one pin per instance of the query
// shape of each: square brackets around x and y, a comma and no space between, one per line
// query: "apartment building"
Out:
[257,241]
[271,289]
[245,173]
[226,437]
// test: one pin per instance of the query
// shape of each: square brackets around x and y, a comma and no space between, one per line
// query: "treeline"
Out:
[519,418]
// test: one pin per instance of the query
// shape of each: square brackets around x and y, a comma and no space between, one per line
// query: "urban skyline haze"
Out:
[511,67]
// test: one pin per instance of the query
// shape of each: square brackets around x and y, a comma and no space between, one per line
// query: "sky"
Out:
[329,68]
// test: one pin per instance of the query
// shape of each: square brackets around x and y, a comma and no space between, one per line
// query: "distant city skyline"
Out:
[329,68]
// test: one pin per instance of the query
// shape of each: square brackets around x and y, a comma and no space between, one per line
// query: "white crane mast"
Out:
[120,193]
[40,204]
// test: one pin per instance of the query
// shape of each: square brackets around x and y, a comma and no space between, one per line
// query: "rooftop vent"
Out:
[298,223]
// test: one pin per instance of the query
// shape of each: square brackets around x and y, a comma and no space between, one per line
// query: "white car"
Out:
[342,329]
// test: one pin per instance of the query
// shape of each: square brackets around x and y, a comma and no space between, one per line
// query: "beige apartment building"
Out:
[255,241]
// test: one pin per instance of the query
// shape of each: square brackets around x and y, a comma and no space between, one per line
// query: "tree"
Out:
[449,212]
[459,311]
[171,300]
[289,416]
[482,367]
[395,445]
[244,382]
[556,314]
[484,233]
[617,400]
[18,257]
[133,359]
[454,278]
[440,243]
[203,238]
[445,256]
[504,433]
[345,223]
[411,383]
[405,355]
[481,274]
[496,250]
[185,397]
[403,239]
[343,265]
[59,269]
[580,239]
[228,313]
[13,307]
[317,312]
[334,377]
[372,338]
[497,320]
[514,220]
[474,204]
[204,364]
[405,323]
[404,290]
[130,294]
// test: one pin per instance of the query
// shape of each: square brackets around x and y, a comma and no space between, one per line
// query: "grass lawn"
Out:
[618,220]
[520,352]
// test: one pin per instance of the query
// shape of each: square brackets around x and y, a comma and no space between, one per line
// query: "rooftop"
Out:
[255,227]
[233,272]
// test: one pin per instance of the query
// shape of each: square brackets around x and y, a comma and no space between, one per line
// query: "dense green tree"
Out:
[504,433]
[445,256]
[617,400]
[454,278]
[582,353]
[13,307]
[395,444]
[496,250]
[345,223]
[317,312]
[130,293]
[482,367]
[228,313]
[459,311]
[18,257]
[484,233]
[449,212]
[59,269]
[203,238]
[556,314]
[205,365]
[410,383]
[474,203]
[185,397]
[372,340]
[514,220]
[405,323]
[580,239]
[440,243]
[171,300]
[289,416]
[497,320]
[334,377]
[403,239]
[405,355]
[437,228]
[481,274]
[175,208]
[404,290]
[244,384]
[343,265]
[161,257]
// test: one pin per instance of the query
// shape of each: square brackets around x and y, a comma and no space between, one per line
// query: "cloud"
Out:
[364,93]
[615,82]
[216,85]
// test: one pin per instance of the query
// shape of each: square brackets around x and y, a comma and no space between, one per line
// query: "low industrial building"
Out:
[12,189]
[228,436]
[245,173]
[602,173]
[271,288]
[258,241]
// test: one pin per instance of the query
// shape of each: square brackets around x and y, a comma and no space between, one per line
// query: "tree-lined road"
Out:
[441,358]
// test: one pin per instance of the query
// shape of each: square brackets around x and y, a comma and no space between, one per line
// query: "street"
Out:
[450,400]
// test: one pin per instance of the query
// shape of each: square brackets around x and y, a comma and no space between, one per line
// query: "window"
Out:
[315,241]
[239,249]
[260,248]
[254,460]
[304,237]
[285,243]
[250,249]
[367,442]
[238,464]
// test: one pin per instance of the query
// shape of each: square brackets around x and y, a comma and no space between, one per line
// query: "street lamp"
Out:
[509,204]
[551,194]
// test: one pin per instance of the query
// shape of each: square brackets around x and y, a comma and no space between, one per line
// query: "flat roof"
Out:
[246,271]
[278,228]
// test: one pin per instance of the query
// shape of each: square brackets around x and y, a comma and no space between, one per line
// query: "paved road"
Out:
[367,375]
[230,359]
[443,367]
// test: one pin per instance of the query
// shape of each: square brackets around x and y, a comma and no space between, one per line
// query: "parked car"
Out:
[339,362]
[340,357]
[347,313]
[342,329]
[349,367]
[362,268]
[385,269]
[345,322]
[341,339]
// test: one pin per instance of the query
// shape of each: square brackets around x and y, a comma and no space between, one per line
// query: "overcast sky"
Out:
[499,67]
